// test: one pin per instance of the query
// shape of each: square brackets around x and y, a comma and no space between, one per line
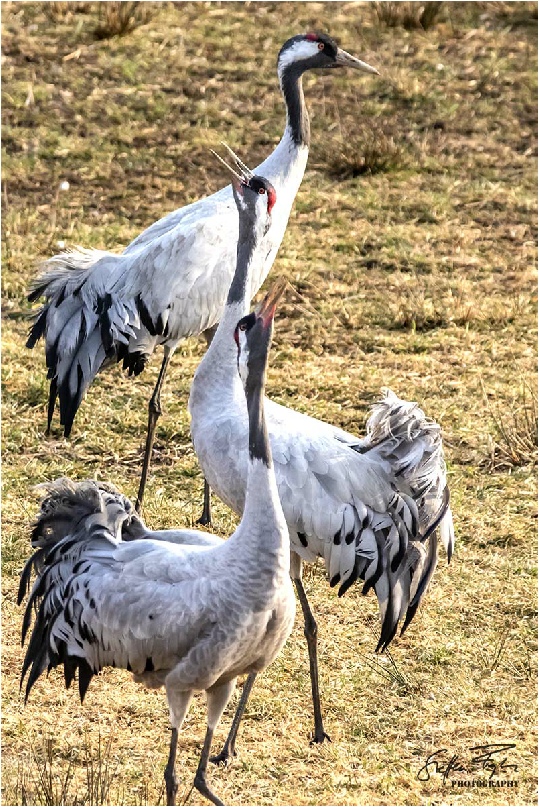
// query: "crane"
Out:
[184,616]
[171,281]
[371,508]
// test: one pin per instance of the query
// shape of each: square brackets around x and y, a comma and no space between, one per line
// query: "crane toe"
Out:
[202,787]
[224,757]
[320,737]
[171,787]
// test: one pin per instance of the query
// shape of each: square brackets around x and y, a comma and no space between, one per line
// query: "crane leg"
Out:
[154,412]
[205,518]
[311,634]
[200,777]
[209,333]
[170,776]
[53,394]
[229,748]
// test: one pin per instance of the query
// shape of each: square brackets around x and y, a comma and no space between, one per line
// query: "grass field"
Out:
[412,252]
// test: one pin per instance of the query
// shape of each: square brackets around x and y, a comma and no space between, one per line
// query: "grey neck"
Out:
[297,117]
[247,243]
[259,447]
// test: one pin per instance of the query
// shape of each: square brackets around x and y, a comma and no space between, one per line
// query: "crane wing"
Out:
[170,222]
[369,508]
[320,477]
[182,537]
[168,276]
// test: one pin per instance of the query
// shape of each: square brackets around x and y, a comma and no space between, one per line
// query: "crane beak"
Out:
[241,172]
[345,59]
[244,169]
[266,309]
[236,184]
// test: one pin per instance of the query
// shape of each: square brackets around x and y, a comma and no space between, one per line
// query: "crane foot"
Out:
[171,787]
[224,757]
[205,518]
[320,737]
[202,787]
[203,521]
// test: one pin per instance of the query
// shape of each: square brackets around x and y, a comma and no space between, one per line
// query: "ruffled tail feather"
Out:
[402,436]
[74,517]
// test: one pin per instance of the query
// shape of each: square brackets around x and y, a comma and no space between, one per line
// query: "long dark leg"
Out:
[205,518]
[154,411]
[209,333]
[311,634]
[170,775]
[53,394]
[229,748]
[200,778]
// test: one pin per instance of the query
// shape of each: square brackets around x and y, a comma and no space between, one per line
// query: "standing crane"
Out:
[171,281]
[369,507]
[186,617]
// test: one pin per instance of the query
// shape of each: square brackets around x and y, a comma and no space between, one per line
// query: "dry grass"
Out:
[421,278]
[516,429]
[120,18]
[408,15]
[364,149]
[46,773]
[63,10]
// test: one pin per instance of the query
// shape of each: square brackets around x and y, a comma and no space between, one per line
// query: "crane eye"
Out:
[242,326]
[320,46]
[261,191]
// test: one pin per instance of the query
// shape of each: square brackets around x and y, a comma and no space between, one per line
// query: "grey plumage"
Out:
[95,582]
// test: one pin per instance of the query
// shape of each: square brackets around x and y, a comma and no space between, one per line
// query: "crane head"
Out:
[253,332]
[316,51]
[246,188]
[248,197]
